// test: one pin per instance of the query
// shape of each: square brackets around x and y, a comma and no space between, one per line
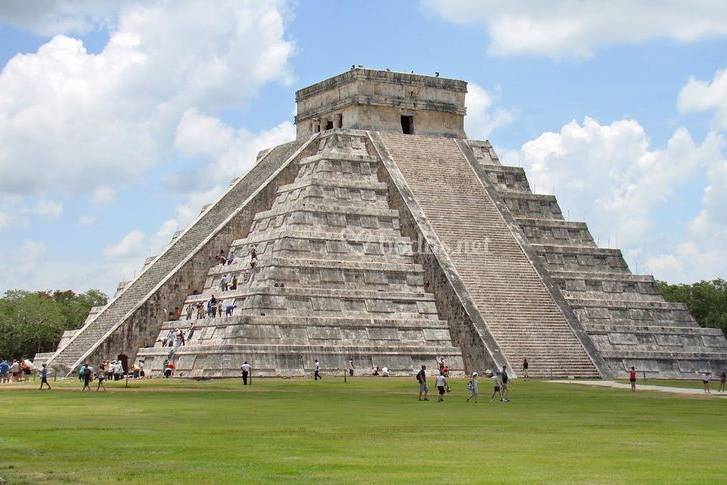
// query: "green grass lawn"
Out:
[367,430]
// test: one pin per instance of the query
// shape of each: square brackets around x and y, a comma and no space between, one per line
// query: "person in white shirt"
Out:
[706,377]
[317,373]
[441,386]
[245,372]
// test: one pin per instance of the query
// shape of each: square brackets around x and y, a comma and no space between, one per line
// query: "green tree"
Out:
[32,322]
[706,300]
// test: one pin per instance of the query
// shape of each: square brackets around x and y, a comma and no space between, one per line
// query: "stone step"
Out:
[457,207]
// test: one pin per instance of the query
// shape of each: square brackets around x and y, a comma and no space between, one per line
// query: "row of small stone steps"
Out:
[619,310]
[507,290]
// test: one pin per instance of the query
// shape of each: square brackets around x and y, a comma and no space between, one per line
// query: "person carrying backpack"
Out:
[422,379]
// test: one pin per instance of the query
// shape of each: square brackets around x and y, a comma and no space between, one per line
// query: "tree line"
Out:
[706,300]
[32,322]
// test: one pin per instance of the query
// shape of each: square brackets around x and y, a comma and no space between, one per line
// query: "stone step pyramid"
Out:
[334,280]
[384,236]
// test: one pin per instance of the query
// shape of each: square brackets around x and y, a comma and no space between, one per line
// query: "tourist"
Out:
[376,371]
[15,372]
[200,310]
[422,379]
[141,368]
[110,369]
[230,308]
[632,378]
[190,332]
[168,369]
[706,377]
[190,309]
[497,386]
[224,283]
[474,388]
[180,337]
[4,369]
[441,365]
[101,377]
[135,370]
[87,375]
[317,371]
[219,309]
[81,372]
[441,386]
[722,378]
[44,377]
[233,283]
[245,368]
[504,384]
[526,364]
[385,371]
[118,370]
[350,367]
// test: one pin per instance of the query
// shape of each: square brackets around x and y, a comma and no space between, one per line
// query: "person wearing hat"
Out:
[473,387]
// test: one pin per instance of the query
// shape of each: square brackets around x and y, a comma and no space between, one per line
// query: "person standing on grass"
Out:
[101,377]
[473,387]
[350,367]
[497,385]
[722,379]
[44,377]
[505,385]
[706,377]
[4,369]
[422,379]
[632,378]
[245,368]
[86,377]
[317,372]
[441,387]
[526,364]
[81,372]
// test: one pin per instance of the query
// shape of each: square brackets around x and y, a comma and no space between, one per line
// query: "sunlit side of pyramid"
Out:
[385,236]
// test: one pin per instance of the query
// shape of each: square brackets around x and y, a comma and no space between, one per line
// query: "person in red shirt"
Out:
[632,378]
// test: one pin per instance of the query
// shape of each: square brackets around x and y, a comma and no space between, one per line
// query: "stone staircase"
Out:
[516,306]
[135,293]
[334,280]
[624,315]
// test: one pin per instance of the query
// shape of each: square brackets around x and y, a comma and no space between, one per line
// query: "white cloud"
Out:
[48,208]
[71,120]
[481,118]
[50,17]
[4,219]
[87,220]
[699,95]
[129,245]
[103,194]
[574,27]
[231,153]
[611,176]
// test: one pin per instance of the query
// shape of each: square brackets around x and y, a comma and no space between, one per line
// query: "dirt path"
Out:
[643,387]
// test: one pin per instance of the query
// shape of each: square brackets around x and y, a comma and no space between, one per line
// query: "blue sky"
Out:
[618,109]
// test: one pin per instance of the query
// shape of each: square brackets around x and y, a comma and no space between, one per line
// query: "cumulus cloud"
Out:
[611,175]
[575,28]
[129,245]
[482,118]
[73,120]
[699,95]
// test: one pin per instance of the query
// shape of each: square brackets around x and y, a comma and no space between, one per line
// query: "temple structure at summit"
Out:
[383,235]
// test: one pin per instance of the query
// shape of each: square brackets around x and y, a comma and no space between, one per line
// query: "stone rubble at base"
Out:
[338,218]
